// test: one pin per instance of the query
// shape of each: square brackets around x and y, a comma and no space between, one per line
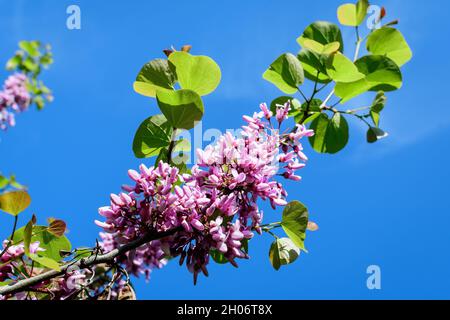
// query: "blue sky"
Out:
[384,204]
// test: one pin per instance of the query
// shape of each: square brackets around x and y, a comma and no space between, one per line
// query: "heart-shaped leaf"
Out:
[14,202]
[314,65]
[153,134]
[390,42]
[353,15]
[294,222]
[154,75]
[286,73]
[342,69]
[57,227]
[374,134]
[322,32]
[330,135]
[51,243]
[377,106]
[283,251]
[381,73]
[182,108]
[197,73]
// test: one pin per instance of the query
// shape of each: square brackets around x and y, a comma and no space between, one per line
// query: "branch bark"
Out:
[93,260]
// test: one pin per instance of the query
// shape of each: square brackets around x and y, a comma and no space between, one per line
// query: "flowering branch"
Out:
[93,260]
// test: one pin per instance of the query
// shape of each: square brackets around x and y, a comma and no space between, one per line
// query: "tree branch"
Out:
[87,262]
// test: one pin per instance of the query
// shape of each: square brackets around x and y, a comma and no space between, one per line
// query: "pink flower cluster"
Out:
[9,261]
[215,206]
[13,98]
[139,261]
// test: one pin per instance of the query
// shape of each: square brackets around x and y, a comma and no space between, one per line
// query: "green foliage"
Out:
[286,73]
[295,222]
[342,69]
[352,15]
[45,261]
[153,134]
[154,75]
[324,63]
[322,32]
[283,251]
[374,134]
[200,74]
[218,257]
[308,111]
[182,108]
[295,104]
[52,243]
[331,134]
[314,65]
[14,202]
[389,42]
[31,59]
[381,73]
[376,107]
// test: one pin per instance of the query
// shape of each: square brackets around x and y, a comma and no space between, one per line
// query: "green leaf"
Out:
[353,15]
[182,108]
[154,75]
[13,182]
[30,65]
[309,118]
[313,111]
[342,69]
[30,47]
[14,202]
[320,48]
[381,73]
[197,73]
[312,63]
[51,243]
[45,261]
[390,42]
[314,105]
[286,73]
[27,232]
[295,104]
[283,251]
[377,106]
[4,181]
[330,135]
[14,62]
[294,222]
[374,134]
[322,32]
[218,256]
[153,134]
[46,59]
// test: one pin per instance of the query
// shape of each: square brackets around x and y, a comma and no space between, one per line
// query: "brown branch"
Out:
[109,257]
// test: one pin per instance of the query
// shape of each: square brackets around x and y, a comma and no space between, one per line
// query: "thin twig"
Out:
[86,263]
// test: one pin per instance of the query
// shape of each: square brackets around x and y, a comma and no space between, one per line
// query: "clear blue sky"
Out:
[384,204]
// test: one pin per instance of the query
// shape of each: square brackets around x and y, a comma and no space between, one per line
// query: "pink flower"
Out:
[215,206]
